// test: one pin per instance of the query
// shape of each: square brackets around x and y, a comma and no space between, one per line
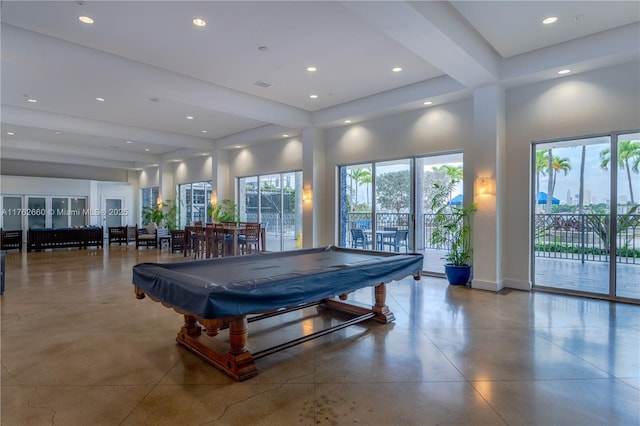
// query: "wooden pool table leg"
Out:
[235,359]
[382,311]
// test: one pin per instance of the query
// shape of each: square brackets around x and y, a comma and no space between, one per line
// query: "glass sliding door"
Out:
[36,212]
[393,227]
[274,200]
[59,215]
[440,169]
[627,241]
[586,220]
[271,209]
[291,211]
[355,205]
[12,213]
[78,209]
[194,200]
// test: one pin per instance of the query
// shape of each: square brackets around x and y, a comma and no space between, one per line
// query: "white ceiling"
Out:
[153,67]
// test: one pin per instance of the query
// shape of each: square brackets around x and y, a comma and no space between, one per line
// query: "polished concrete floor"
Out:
[79,349]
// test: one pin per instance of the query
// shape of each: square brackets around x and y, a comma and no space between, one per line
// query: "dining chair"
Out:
[221,242]
[359,239]
[198,242]
[402,235]
[389,237]
[249,241]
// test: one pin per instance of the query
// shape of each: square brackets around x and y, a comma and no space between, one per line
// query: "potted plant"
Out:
[452,231]
[163,215]
[225,211]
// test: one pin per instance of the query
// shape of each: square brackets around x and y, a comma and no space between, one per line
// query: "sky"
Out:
[596,180]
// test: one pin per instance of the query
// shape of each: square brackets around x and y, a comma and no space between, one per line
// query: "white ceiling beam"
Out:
[602,49]
[253,136]
[437,33]
[46,148]
[13,154]
[66,123]
[391,101]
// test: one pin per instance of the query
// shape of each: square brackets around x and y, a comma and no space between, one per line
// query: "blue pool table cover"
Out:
[241,285]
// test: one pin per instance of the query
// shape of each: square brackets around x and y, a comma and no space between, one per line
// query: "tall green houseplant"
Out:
[225,211]
[164,215]
[452,231]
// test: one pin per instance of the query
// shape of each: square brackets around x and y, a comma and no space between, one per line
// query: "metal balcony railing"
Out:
[560,235]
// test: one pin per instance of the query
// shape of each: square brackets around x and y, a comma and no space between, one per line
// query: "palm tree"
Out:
[581,196]
[356,176]
[454,172]
[542,164]
[559,165]
[366,179]
[628,160]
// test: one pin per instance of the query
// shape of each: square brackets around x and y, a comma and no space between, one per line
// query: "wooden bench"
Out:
[122,234]
[46,238]
[10,240]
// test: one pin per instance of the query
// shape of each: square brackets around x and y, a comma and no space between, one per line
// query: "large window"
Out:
[385,205]
[148,197]
[586,215]
[194,200]
[275,201]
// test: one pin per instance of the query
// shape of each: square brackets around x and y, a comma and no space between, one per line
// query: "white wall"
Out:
[571,106]
[279,156]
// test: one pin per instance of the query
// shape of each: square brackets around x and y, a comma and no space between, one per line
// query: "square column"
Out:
[484,158]
[313,188]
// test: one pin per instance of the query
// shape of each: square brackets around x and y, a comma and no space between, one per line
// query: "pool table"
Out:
[231,292]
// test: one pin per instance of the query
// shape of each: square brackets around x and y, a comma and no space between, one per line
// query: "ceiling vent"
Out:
[262,84]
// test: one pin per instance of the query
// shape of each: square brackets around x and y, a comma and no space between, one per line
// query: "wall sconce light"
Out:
[159,202]
[213,199]
[484,186]
[307,194]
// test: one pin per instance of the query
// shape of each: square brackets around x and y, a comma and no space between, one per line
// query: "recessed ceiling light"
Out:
[285,135]
[85,19]
[33,101]
[347,121]
[428,103]
[100,99]
[199,22]
[10,133]
[147,149]
[314,96]
[549,20]
[129,142]
[312,69]
[396,69]
[204,131]
[189,117]
[567,71]
[58,132]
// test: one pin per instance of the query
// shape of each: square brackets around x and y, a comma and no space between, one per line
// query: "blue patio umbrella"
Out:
[542,199]
[456,201]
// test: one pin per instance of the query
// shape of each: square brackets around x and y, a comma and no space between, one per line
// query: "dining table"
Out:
[380,236]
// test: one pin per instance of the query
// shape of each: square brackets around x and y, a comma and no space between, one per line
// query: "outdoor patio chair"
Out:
[359,239]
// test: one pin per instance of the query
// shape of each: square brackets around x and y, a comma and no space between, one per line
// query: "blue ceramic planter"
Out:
[457,275]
